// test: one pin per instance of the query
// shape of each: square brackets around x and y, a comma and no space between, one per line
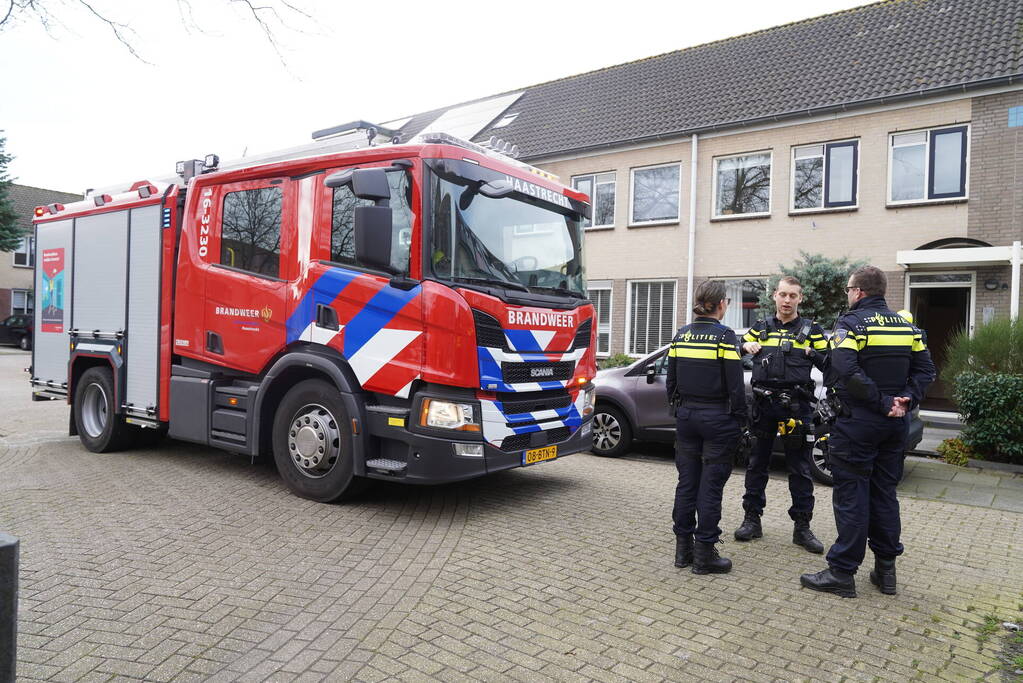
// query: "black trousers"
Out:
[797,457]
[867,458]
[704,448]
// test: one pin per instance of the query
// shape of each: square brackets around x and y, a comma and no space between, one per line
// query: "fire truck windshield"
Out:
[512,241]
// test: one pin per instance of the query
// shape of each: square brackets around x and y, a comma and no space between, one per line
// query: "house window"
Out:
[651,315]
[742,185]
[25,253]
[824,176]
[250,238]
[1015,117]
[927,165]
[655,191]
[600,295]
[745,296]
[21,301]
[601,189]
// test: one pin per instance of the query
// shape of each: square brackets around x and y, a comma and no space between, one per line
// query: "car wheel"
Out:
[312,443]
[24,344]
[612,434]
[819,468]
[100,428]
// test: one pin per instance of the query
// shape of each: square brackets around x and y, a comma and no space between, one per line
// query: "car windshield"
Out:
[506,241]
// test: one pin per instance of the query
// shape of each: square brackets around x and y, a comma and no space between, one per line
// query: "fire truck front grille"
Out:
[517,407]
[488,330]
[517,373]
[582,335]
[520,442]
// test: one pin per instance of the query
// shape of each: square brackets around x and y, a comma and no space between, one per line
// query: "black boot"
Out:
[830,581]
[883,575]
[707,561]
[750,527]
[684,550]
[801,534]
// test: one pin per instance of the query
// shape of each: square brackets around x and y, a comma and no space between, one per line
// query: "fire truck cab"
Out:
[412,312]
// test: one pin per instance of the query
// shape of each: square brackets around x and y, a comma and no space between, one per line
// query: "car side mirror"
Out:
[651,372]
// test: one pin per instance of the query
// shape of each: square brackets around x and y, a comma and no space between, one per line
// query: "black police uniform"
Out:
[876,356]
[781,390]
[705,377]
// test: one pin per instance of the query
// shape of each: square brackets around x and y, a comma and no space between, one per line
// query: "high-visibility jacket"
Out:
[877,355]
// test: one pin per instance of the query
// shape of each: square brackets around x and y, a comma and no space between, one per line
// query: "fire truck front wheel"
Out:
[312,443]
[100,428]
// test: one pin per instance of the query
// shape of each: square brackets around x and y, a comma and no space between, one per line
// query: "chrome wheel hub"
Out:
[607,433]
[314,440]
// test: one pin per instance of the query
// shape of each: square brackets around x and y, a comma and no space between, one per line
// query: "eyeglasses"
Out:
[728,300]
[847,289]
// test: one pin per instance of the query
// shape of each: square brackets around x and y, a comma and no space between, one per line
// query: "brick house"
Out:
[891,132]
[16,268]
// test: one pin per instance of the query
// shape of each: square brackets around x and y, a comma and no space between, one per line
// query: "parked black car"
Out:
[632,406]
[17,330]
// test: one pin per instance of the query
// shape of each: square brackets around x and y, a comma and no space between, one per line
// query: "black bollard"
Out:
[8,605]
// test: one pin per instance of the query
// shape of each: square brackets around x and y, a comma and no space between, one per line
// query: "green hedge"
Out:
[991,404]
[618,360]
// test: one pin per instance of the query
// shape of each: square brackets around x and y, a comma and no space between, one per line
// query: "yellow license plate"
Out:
[539,455]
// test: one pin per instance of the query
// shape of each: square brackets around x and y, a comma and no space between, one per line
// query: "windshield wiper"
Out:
[491,281]
[561,290]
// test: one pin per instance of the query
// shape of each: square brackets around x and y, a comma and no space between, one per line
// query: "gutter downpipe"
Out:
[690,265]
[1014,292]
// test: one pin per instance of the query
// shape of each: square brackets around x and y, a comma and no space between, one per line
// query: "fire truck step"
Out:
[386,466]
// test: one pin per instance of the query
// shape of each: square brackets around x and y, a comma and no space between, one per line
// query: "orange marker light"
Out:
[232,401]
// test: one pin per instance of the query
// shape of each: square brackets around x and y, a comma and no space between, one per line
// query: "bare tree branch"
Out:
[118,29]
[268,16]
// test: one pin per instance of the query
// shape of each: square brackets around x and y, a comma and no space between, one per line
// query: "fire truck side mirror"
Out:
[373,237]
[367,183]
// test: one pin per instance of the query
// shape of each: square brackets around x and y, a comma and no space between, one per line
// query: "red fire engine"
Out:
[411,312]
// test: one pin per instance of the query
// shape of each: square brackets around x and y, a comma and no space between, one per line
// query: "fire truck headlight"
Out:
[448,415]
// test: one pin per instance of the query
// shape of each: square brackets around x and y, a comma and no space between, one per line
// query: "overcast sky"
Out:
[79,111]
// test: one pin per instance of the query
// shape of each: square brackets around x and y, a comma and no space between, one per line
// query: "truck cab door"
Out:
[250,252]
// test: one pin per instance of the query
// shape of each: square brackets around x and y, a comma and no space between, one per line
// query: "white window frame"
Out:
[593,198]
[927,167]
[28,240]
[628,311]
[603,286]
[28,297]
[714,187]
[824,179]
[632,195]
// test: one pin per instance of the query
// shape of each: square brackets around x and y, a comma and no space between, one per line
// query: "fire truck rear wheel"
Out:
[312,443]
[100,428]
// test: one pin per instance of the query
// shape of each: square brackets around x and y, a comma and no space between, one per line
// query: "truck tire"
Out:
[312,443]
[100,428]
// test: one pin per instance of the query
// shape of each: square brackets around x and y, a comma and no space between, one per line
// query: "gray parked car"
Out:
[632,406]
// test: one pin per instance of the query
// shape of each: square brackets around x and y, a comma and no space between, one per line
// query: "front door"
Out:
[653,414]
[251,248]
[941,312]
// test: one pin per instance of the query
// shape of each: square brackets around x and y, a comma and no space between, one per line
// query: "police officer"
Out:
[881,368]
[785,348]
[705,385]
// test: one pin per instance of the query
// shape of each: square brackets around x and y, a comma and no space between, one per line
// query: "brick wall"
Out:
[996,171]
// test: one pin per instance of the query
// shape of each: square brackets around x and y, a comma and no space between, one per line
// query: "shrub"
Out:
[618,360]
[992,408]
[955,452]
[823,281]
[995,347]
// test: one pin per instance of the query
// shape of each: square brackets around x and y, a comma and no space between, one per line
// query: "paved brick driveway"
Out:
[183,563]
